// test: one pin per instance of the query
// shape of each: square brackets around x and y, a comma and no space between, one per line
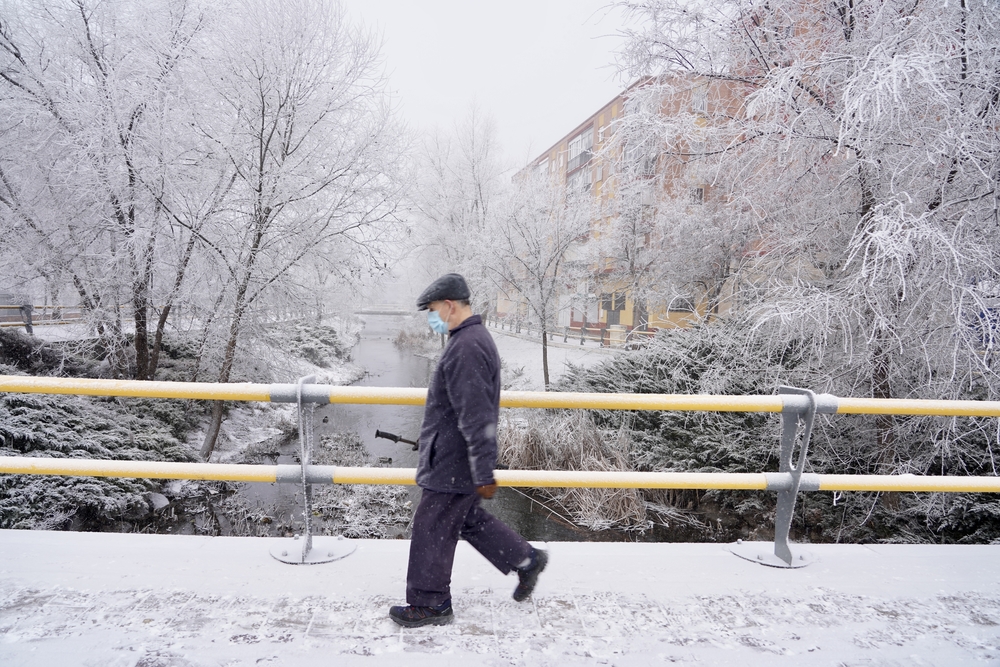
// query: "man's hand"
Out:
[486,491]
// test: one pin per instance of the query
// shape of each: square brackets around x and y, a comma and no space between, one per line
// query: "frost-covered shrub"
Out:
[31,355]
[178,357]
[319,344]
[415,335]
[706,360]
[568,440]
[725,358]
[81,427]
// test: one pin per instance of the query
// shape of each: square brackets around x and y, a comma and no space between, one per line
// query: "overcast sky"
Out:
[538,67]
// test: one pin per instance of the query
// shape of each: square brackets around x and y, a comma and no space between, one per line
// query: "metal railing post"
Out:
[793,416]
[326,548]
[305,457]
[790,420]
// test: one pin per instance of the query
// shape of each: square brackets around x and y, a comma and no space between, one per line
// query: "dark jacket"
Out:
[458,439]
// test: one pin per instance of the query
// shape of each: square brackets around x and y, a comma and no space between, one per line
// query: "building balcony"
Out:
[583,158]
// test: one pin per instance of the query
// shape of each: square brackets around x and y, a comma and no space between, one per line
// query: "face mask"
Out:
[436,323]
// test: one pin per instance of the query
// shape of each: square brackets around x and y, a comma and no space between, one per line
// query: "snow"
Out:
[130,600]
[524,350]
[57,333]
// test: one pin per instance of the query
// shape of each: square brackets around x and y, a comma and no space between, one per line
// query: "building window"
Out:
[642,159]
[581,149]
[613,303]
[698,195]
[699,100]
[681,304]
[579,181]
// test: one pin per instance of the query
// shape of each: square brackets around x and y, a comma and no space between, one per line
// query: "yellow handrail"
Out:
[26,465]
[135,388]
[219,472]
[911,406]
[508,399]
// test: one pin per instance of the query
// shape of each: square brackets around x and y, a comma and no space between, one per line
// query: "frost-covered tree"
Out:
[300,116]
[89,95]
[852,150]
[227,158]
[537,248]
[460,178]
[668,236]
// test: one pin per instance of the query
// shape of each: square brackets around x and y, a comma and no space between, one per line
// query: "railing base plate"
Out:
[762,553]
[324,550]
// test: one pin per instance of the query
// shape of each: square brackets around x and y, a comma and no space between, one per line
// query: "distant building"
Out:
[604,302]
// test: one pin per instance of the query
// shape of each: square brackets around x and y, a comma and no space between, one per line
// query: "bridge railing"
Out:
[797,407]
[13,316]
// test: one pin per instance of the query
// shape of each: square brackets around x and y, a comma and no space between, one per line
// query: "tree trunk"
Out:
[545,357]
[214,425]
[140,315]
[227,366]
[154,353]
[239,310]
[141,290]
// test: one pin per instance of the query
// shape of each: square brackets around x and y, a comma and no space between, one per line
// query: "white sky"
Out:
[538,67]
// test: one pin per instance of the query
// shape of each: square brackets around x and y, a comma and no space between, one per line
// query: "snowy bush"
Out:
[415,335]
[34,356]
[319,344]
[727,358]
[81,427]
[569,440]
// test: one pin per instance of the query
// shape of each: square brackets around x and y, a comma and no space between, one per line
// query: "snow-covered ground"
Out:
[54,333]
[526,351]
[83,599]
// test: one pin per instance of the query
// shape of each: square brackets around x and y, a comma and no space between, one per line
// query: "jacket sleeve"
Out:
[472,391]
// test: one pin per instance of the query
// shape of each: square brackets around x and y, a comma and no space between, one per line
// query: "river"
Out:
[386,366]
[390,366]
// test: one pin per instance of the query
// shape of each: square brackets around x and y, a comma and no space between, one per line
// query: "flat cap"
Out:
[450,286]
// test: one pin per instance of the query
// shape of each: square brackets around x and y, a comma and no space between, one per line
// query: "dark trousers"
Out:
[440,519]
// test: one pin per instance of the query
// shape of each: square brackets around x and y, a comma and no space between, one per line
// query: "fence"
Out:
[606,336]
[797,407]
[13,316]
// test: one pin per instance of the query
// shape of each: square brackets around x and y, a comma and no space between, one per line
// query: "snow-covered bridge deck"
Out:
[150,600]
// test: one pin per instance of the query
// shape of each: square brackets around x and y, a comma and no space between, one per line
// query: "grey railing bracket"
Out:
[305,549]
[794,415]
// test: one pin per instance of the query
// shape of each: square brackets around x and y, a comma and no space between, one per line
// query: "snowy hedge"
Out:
[83,427]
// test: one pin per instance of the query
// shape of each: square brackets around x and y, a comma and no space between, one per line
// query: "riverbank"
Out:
[525,352]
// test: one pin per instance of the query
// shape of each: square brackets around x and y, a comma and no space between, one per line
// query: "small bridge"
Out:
[385,309]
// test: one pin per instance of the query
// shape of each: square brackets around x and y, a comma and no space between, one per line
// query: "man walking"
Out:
[458,450]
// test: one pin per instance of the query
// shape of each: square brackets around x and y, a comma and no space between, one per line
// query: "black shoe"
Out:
[414,617]
[529,575]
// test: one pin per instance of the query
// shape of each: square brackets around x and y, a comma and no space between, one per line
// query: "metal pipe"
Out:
[912,406]
[26,465]
[826,403]
[914,483]
[221,472]
[219,391]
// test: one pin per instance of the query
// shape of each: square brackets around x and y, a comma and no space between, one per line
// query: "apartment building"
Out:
[579,162]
